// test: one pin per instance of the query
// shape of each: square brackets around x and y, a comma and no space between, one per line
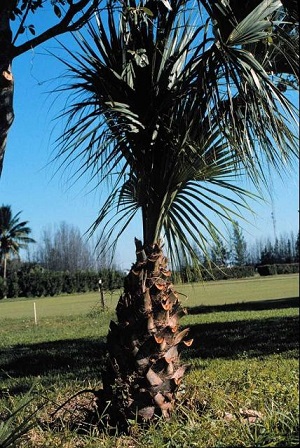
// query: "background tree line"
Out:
[234,250]
[65,249]
[63,261]
[230,256]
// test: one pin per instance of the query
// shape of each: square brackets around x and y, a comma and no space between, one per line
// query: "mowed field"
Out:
[241,388]
[207,294]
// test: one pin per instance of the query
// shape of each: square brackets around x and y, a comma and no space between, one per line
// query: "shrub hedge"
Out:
[38,282]
[206,274]
[273,269]
[223,273]
[229,273]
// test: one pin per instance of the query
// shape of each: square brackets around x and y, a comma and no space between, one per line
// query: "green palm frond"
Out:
[169,111]
[14,234]
[21,419]
[256,26]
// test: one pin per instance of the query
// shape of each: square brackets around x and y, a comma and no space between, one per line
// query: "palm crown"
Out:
[173,101]
[14,235]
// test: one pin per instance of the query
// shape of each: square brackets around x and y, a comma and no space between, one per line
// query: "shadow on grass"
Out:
[83,359]
[79,359]
[249,338]
[259,305]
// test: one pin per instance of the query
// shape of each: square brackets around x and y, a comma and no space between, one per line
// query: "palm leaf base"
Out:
[143,371]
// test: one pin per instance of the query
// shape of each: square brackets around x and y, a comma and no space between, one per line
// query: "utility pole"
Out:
[273,217]
[274,224]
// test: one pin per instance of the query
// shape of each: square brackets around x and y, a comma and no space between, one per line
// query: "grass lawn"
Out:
[244,358]
[208,293]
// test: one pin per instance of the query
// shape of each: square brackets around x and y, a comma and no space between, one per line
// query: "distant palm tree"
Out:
[13,235]
[172,102]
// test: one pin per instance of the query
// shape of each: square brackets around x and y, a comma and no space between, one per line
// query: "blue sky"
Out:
[29,185]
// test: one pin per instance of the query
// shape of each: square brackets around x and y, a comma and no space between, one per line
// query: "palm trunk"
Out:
[144,370]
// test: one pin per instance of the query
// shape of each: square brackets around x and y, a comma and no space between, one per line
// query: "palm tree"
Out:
[173,102]
[13,236]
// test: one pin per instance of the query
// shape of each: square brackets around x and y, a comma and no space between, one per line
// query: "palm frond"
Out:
[170,112]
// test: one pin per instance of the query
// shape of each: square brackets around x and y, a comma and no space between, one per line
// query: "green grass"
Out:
[244,356]
[243,290]
[209,293]
[47,307]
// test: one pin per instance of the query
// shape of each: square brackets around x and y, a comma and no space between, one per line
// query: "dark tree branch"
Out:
[24,17]
[8,51]
[64,26]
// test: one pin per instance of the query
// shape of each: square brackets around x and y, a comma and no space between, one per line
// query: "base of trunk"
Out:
[143,371]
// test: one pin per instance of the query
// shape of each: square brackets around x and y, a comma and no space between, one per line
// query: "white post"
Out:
[34,312]
[101,294]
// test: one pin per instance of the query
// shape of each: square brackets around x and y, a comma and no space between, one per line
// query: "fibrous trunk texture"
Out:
[144,370]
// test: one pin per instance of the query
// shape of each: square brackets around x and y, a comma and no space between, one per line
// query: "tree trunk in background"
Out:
[144,370]
[6,78]
[6,110]
[75,15]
